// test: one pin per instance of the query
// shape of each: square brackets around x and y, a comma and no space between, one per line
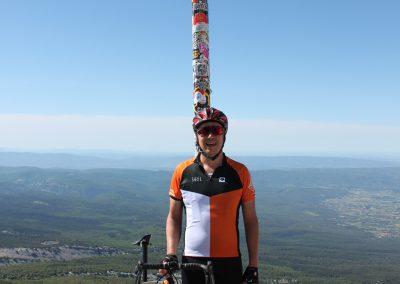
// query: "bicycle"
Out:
[172,267]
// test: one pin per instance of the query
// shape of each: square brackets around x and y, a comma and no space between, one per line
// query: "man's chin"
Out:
[211,153]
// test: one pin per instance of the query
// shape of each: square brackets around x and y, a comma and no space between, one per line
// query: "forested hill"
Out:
[316,224]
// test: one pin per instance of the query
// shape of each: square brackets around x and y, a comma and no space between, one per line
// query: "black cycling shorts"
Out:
[226,270]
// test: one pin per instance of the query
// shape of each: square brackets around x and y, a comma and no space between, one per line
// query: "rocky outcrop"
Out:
[11,256]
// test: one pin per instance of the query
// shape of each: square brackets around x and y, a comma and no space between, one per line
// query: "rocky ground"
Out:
[10,256]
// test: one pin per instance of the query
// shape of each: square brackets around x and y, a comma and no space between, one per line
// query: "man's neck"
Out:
[209,164]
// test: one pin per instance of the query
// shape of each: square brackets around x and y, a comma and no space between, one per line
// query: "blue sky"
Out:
[330,68]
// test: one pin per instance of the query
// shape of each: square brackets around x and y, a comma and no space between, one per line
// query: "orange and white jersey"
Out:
[212,206]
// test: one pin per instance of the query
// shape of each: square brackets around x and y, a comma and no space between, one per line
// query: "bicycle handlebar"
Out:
[175,265]
[171,266]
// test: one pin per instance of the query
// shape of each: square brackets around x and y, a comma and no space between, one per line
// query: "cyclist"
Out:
[212,187]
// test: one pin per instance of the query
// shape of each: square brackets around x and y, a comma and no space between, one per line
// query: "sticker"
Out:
[200,27]
[201,60]
[199,38]
[202,91]
[199,1]
[201,99]
[198,77]
[199,106]
[196,54]
[200,56]
[200,7]
[201,83]
[204,50]
[200,18]
[200,70]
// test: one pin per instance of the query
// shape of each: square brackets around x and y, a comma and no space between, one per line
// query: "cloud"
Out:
[174,135]
[95,132]
[270,136]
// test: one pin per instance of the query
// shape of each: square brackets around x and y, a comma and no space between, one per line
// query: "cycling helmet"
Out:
[207,115]
[210,114]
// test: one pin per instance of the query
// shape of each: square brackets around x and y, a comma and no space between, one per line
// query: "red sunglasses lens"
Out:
[214,130]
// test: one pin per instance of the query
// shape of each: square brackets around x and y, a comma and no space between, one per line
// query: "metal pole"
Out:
[201,69]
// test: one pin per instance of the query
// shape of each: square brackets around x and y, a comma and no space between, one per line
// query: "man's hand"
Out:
[168,259]
[250,275]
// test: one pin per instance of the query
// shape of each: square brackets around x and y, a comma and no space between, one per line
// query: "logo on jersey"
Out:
[196,179]
[222,179]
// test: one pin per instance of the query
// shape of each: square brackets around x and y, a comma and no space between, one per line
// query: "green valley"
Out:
[317,225]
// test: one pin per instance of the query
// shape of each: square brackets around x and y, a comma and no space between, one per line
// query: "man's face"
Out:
[211,137]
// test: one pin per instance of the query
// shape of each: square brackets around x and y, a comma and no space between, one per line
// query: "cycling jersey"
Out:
[212,206]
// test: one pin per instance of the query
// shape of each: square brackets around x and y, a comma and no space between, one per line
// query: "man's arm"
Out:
[251,227]
[174,225]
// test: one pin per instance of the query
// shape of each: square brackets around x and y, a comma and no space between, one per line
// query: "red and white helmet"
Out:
[210,114]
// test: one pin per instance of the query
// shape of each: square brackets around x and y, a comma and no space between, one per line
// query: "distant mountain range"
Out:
[168,162]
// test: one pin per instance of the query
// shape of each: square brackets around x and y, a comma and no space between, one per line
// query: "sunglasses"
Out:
[214,130]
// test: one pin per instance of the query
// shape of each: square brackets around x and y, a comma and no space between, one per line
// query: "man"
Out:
[211,188]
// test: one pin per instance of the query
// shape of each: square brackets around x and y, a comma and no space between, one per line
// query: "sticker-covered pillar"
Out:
[201,67]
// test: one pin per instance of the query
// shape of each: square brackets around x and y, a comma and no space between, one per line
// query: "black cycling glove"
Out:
[250,275]
[169,259]
[172,260]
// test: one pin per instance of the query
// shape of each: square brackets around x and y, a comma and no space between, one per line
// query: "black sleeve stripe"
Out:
[174,198]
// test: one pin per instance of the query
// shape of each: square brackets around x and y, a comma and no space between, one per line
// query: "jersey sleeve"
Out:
[175,188]
[249,193]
